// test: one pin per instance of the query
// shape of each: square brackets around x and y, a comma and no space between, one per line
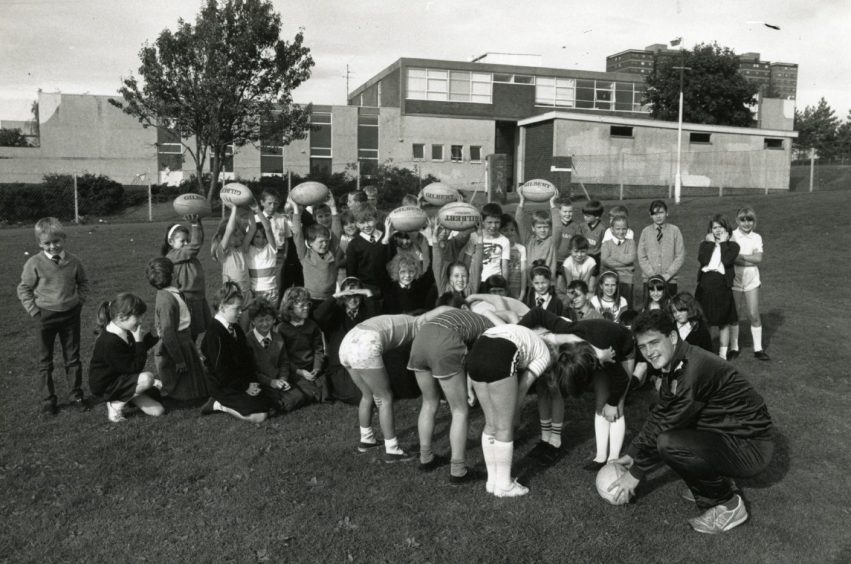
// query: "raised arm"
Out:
[298,232]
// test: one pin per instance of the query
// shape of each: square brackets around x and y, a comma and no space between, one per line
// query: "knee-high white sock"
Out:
[734,336]
[367,435]
[757,338]
[546,430]
[601,433]
[555,435]
[722,352]
[503,455]
[617,430]
[490,461]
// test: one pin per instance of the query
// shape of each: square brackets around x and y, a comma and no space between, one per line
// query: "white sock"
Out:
[546,430]
[756,332]
[490,462]
[601,433]
[617,430]
[367,435]
[391,446]
[555,436]
[734,336]
[503,452]
[722,352]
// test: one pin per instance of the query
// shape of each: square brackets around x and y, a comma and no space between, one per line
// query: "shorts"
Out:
[746,279]
[492,359]
[437,350]
[361,349]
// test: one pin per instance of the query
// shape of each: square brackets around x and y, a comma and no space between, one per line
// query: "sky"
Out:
[79,46]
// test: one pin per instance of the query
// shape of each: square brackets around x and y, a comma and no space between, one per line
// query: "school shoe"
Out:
[78,401]
[732,354]
[115,411]
[541,451]
[761,355]
[593,466]
[365,447]
[515,490]
[50,406]
[436,462]
[719,519]
[209,407]
[551,455]
[468,478]
[401,456]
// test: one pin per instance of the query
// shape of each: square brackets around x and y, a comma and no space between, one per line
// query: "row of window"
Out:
[694,137]
[477,87]
[456,153]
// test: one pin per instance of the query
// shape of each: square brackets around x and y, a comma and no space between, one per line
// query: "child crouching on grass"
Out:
[230,367]
[119,356]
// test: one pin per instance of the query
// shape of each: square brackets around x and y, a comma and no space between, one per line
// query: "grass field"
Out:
[185,488]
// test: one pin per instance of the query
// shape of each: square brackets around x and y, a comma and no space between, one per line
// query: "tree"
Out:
[12,138]
[227,80]
[843,138]
[817,129]
[713,90]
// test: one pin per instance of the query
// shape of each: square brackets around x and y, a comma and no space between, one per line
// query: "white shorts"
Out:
[361,350]
[746,279]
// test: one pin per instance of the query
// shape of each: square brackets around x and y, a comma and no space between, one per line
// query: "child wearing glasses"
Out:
[305,347]
[746,282]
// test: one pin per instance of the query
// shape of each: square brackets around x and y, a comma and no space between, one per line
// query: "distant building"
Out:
[775,80]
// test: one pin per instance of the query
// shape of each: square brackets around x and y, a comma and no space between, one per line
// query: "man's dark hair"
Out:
[653,320]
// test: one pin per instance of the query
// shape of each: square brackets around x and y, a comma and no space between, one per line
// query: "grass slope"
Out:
[186,488]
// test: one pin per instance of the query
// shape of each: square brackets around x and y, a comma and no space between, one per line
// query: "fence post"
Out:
[358,178]
[812,167]
[621,179]
[720,190]
[76,202]
[150,202]
[765,170]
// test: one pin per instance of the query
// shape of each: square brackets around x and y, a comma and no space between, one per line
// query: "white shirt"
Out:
[494,251]
[111,327]
[609,236]
[715,261]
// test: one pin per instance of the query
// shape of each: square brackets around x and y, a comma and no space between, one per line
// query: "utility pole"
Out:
[678,179]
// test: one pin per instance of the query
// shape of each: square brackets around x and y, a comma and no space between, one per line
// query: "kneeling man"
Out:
[710,425]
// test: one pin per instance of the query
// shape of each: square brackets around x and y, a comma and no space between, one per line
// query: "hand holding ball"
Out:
[608,475]
[192,204]
[408,218]
[538,190]
[236,194]
[459,216]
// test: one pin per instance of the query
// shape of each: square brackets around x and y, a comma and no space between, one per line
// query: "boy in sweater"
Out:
[661,251]
[52,290]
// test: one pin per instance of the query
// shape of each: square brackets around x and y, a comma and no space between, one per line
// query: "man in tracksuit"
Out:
[710,425]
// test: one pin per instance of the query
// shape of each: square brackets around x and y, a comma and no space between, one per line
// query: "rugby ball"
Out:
[438,193]
[309,193]
[236,194]
[538,190]
[607,476]
[408,218]
[192,204]
[458,216]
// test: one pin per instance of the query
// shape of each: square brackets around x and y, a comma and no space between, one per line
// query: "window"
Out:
[556,92]
[604,95]
[620,131]
[773,143]
[419,151]
[699,138]
[437,152]
[455,86]
[320,167]
[169,149]
[456,153]
[475,154]
[585,94]
[227,163]
[513,78]
[320,137]
[271,160]
[368,142]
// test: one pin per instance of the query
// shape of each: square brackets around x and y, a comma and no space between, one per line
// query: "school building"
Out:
[497,120]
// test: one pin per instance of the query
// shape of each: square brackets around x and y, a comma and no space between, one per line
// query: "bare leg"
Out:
[455,390]
[377,380]
[428,409]
[366,402]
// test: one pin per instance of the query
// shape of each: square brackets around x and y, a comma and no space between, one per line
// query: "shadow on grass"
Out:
[777,468]
[771,322]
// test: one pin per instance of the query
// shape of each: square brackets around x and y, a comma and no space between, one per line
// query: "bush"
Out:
[96,194]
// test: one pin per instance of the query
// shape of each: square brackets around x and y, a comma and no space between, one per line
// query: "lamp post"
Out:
[678,179]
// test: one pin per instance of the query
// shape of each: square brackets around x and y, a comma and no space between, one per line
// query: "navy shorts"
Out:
[492,359]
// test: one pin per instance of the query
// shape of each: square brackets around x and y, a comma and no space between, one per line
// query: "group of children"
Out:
[311,300]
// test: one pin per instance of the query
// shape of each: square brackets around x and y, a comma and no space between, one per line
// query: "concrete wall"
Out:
[82,133]
[648,158]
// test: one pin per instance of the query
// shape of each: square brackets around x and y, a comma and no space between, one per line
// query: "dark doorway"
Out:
[504,144]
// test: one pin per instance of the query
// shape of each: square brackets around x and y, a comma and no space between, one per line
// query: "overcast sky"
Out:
[78,46]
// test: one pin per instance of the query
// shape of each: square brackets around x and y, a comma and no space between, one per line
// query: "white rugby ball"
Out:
[438,193]
[459,216]
[192,204]
[408,218]
[309,193]
[538,190]
[236,194]
[607,476]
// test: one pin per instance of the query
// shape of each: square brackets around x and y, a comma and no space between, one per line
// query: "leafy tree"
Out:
[713,90]
[12,138]
[227,80]
[843,138]
[817,129]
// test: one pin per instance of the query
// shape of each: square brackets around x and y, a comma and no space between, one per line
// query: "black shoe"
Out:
[761,355]
[541,451]
[50,406]
[207,408]
[732,354]
[436,462]
[551,455]
[468,478]
[366,447]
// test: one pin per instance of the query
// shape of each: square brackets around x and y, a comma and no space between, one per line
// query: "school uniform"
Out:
[715,282]
[595,242]
[410,299]
[172,320]
[189,278]
[306,351]
[549,302]
[366,259]
[230,369]
[661,252]
[117,360]
[619,256]
[271,363]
